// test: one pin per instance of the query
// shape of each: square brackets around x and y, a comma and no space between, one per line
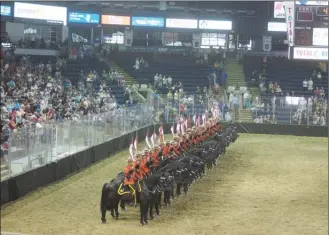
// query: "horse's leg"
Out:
[178,192]
[158,198]
[151,212]
[167,193]
[122,205]
[157,211]
[103,218]
[172,194]
[146,213]
[165,196]
[112,212]
[117,211]
[141,213]
[204,169]
[185,187]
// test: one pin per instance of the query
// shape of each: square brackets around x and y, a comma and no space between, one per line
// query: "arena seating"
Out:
[180,68]
[288,73]
[74,67]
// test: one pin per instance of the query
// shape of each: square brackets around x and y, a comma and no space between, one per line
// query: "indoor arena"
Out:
[264,184]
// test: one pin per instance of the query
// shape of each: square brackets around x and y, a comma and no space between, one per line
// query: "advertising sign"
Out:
[83,18]
[320,37]
[116,20]
[147,21]
[289,8]
[5,10]
[44,13]
[276,27]
[267,43]
[181,23]
[310,53]
[215,24]
[279,10]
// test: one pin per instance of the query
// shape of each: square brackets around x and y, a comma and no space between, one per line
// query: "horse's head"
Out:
[163,182]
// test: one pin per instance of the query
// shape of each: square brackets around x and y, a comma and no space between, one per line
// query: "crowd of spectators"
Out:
[34,93]
[140,64]
[311,103]
[161,81]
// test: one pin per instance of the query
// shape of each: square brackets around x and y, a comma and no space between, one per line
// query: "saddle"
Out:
[126,189]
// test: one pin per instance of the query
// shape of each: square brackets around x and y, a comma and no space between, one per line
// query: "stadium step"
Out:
[245,116]
[235,73]
[129,80]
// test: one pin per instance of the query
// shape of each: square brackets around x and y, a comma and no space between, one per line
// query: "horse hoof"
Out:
[103,221]
[146,222]
[151,217]
[116,218]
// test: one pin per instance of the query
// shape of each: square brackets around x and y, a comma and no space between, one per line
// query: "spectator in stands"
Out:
[235,103]
[136,66]
[322,93]
[271,87]
[310,85]
[228,116]
[273,103]
[278,90]
[164,81]
[169,81]
[319,75]
[282,100]
[275,86]
[315,118]
[262,88]
[322,120]
[245,99]
[253,77]
[230,100]
[205,58]
[156,77]
[305,84]
[316,91]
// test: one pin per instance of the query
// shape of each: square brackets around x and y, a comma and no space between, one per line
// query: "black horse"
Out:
[112,195]
[182,171]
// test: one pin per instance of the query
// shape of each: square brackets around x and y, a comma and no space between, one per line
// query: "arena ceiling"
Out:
[226,8]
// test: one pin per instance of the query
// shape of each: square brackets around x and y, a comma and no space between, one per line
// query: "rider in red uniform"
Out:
[137,165]
[129,180]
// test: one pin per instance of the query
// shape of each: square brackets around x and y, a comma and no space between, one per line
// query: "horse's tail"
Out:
[104,197]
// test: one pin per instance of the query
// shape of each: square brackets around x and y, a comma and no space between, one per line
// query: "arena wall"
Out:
[20,185]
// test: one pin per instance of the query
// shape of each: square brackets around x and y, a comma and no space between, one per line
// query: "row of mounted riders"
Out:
[179,162]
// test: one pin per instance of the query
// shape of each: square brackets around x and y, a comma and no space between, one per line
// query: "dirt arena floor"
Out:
[265,185]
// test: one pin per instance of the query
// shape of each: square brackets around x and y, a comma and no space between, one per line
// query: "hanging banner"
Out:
[129,33]
[267,43]
[289,9]
[196,41]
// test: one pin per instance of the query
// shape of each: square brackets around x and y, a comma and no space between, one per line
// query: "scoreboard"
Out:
[311,25]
